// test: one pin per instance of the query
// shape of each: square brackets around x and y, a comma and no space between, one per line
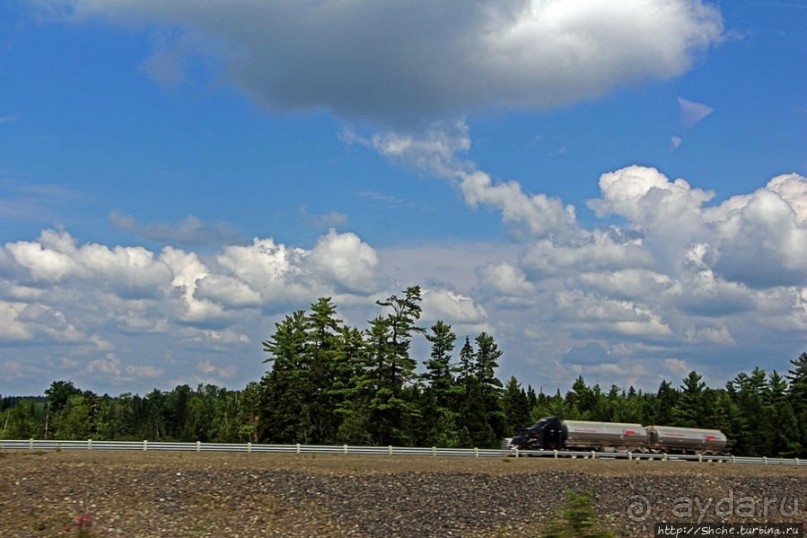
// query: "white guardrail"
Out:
[39,444]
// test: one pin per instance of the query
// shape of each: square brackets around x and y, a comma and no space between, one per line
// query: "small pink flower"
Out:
[84,519]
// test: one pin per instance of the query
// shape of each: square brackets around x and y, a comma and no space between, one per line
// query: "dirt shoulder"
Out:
[145,494]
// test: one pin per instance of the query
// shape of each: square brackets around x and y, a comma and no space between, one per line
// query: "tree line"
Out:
[330,383]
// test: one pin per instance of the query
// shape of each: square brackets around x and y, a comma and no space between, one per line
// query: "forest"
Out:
[329,383]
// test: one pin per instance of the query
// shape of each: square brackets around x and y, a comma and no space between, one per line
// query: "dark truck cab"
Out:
[547,434]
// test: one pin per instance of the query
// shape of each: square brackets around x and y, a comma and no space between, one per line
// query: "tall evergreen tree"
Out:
[476,430]
[439,373]
[439,401]
[532,398]
[516,407]
[323,354]
[750,425]
[486,361]
[689,408]
[784,425]
[580,400]
[284,389]
[390,367]
[465,367]
[351,388]
[665,403]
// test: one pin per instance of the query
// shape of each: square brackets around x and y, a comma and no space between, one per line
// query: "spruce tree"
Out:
[284,389]
[783,424]
[439,373]
[516,407]
[689,408]
[665,403]
[322,352]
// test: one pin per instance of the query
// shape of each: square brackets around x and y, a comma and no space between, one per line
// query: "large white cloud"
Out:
[667,213]
[391,61]
[55,257]
[758,239]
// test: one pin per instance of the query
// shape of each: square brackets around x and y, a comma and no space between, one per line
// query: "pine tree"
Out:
[351,388]
[439,373]
[466,363]
[486,361]
[665,403]
[322,351]
[438,403]
[516,407]
[476,430]
[390,367]
[784,424]
[580,400]
[689,408]
[283,389]
[751,427]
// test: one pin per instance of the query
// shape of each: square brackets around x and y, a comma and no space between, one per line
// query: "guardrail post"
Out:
[298,448]
[630,455]
[249,448]
[476,452]
[556,453]
[593,455]
[89,444]
[31,444]
[434,451]
[664,457]
[797,462]
[516,451]
[198,446]
[390,450]
[344,449]
[700,458]
[733,459]
[765,460]
[145,444]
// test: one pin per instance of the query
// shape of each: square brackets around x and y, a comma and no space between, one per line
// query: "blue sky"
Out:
[614,189]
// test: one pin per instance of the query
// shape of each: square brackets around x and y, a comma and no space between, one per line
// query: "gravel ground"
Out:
[177,494]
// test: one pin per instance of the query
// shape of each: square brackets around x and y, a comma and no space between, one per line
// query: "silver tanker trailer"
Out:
[604,436]
[698,441]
